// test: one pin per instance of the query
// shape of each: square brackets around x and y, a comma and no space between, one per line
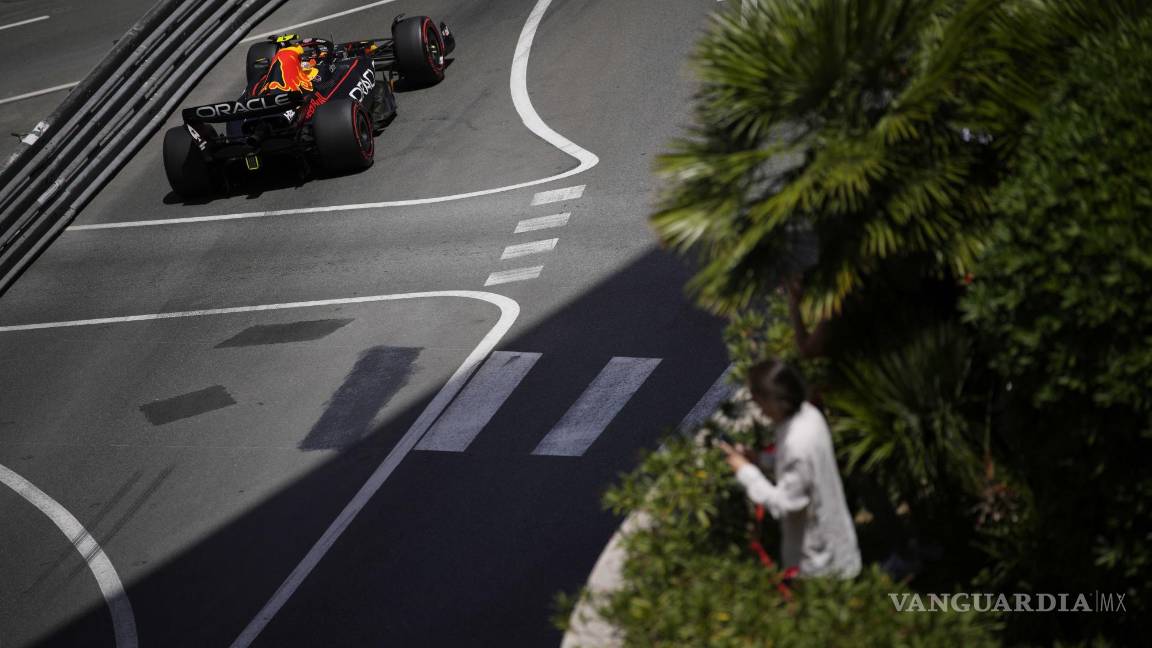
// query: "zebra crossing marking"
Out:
[481,398]
[719,392]
[586,420]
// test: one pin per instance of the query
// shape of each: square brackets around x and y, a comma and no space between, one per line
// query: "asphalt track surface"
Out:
[64,41]
[208,454]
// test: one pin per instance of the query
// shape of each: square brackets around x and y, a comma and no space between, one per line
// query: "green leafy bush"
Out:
[690,578]
[1063,300]
[900,417]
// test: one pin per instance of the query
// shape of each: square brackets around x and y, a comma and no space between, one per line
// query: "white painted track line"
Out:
[543,222]
[720,391]
[37,93]
[509,312]
[111,588]
[24,22]
[558,195]
[583,423]
[292,28]
[247,309]
[518,85]
[479,402]
[510,276]
[526,249]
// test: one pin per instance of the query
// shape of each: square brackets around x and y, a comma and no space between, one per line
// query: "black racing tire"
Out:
[419,50]
[188,173]
[344,136]
[260,57]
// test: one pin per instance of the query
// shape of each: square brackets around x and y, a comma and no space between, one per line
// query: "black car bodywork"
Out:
[311,100]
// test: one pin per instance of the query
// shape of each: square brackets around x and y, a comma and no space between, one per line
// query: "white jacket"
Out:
[808,498]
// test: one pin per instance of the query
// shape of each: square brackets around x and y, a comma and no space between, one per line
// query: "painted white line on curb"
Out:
[543,222]
[585,421]
[479,402]
[558,195]
[509,311]
[518,84]
[720,391]
[525,249]
[111,588]
[517,274]
[37,93]
[291,28]
[24,22]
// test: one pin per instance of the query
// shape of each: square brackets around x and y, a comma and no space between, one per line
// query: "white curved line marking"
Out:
[509,312]
[123,621]
[518,84]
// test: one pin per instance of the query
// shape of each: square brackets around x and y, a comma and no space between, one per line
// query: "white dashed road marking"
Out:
[557,195]
[596,407]
[525,249]
[543,222]
[509,276]
[479,402]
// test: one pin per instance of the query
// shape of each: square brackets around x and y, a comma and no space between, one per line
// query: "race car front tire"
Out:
[186,169]
[420,50]
[343,134]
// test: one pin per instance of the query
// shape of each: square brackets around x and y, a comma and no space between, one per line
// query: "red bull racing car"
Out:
[319,102]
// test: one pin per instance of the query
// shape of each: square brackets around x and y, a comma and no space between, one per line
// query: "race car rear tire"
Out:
[260,57]
[343,134]
[188,173]
[419,49]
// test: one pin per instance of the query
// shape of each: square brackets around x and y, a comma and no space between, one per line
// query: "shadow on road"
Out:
[456,549]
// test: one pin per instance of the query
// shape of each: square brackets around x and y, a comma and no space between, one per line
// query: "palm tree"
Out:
[873,129]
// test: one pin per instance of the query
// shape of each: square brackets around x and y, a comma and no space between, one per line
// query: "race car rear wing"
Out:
[226,111]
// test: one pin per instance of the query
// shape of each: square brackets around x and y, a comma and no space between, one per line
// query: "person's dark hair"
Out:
[779,382]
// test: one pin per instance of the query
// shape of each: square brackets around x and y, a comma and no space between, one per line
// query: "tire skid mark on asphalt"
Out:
[518,86]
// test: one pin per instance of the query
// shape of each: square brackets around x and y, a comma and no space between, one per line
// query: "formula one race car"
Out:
[319,102]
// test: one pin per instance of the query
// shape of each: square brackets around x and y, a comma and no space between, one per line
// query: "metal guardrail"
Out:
[106,119]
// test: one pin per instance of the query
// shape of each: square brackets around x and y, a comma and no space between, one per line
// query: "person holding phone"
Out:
[817,534]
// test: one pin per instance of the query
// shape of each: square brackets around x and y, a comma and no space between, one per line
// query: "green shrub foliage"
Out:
[1063,298]
[691,579]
